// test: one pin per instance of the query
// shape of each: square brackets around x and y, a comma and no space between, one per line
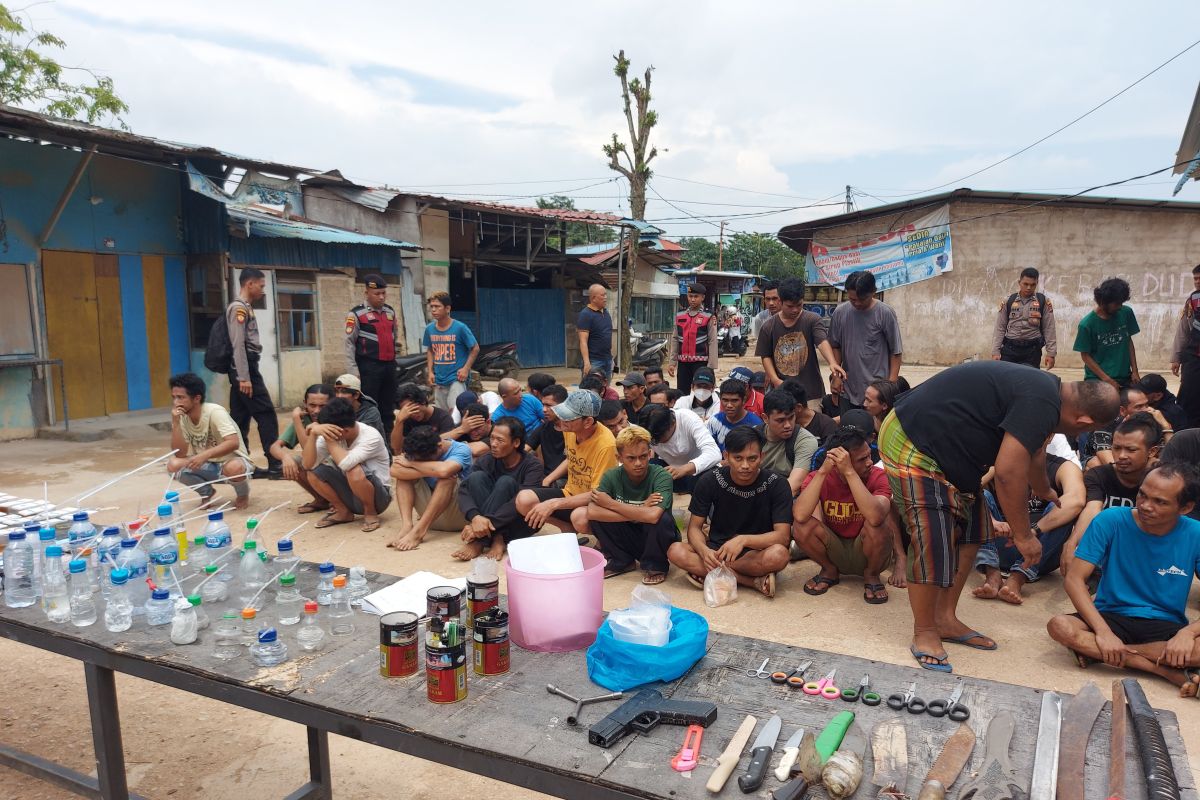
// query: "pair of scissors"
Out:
[950,707]
[762,671]
[908,700]
[824,687]
[863,692]
[795,678]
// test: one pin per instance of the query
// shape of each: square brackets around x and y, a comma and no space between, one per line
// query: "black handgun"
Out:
[644,711]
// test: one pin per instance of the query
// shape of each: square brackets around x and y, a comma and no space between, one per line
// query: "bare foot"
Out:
[1191,687]
[766,584]
[468,551]
[990,588]
[498,548]
[403,534]
[897,578]
[241,503]
[1010,594]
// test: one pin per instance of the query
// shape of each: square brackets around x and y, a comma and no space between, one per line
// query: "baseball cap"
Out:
[760,380]
[742,374]
[704,375]
[633,379]
[860,419]
[465,399]
[579,403]
[1152,383]
[374,281]
[349,381]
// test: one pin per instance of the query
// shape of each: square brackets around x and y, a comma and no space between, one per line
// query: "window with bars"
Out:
[652,314]
[296,306]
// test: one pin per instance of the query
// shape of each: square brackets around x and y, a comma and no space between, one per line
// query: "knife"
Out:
[791,749]
[1079,715]
[1116,767]
[1045,757]
[732,754]
[945,770]
[760,754]
[889,748]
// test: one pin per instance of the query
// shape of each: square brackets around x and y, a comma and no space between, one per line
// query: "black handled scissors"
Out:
[908,700]
[950,707]
[794,679]
[863,692]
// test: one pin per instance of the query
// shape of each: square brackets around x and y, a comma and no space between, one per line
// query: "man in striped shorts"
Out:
[936,445]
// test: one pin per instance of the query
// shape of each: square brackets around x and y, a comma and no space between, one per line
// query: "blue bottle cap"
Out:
[161,594]
[285,545]
[216,516]
[16,536]
[162,532]
[119,577]
[129,543]
[77,565]
[326,568]
[80,516]
[165,510]
[267,635]
[32,526]
[46,534]
[171,497]
[112,530]
[53,551]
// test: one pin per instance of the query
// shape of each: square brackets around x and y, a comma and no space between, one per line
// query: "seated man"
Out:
[427,481]
[1160,398]
[1149,554]
[597,381]
[749,511]
[489,400]
[630,511]
[519,404]
[733,412]
[754,397]
[613,416]
[487,498]
[701,401]
[818,424]
[1052,523]
[475,429]
[1133,401]
[663,394]
[208,445]
[537,383]
[634,387]
[653,375]
[414,409]
[547,440]
[841,517]
[591,451]
[347,463]
[683,444]
[789,448]
[1135,444]
[315,398]
[366,410]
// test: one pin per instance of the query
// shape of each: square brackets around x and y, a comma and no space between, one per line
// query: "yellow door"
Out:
[73,330]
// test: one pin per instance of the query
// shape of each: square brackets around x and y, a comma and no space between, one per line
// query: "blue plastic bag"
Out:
[618,665]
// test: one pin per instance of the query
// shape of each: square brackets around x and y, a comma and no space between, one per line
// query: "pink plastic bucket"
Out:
[556,613]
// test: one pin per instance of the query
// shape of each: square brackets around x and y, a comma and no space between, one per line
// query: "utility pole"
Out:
[849,200]
[721,248]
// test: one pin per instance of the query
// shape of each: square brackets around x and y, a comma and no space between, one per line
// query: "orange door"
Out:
[73,330]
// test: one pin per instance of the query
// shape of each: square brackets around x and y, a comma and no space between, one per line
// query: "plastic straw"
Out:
[270,580]
[329,558]
[216,572]
[81,497]
[288,536]
[267,513]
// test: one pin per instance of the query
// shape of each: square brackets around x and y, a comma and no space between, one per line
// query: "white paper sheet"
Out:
[553,554]
[408,594]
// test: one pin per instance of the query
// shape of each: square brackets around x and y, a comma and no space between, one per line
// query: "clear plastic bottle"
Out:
[216,590]
[83,538]
[310,636]
[118,610]
[198,554]
[184,625]
[46,538]
[268,650]
[159,608]
[218,541]
[286,562]
[227,636]
[201,615]
[252,576]
[56,600]
[179,528]
[164,555]
[341,616]
[251,535]
[357,587]
[250,626]
[134,561]
[288,602]
[325,583]
[19,590]
[107,548]
[83,607]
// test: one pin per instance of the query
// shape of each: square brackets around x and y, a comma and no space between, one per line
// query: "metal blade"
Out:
[1045,759]
[889,748]
[1116,749]
[769,734]
[1078,718]
[954,756]
[855,741]
[794,739]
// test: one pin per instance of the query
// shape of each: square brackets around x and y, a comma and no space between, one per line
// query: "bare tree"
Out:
[632,161]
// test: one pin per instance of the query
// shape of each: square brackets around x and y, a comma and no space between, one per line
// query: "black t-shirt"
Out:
[554,449]
[959,416]
[734,510]
[599,326]
[1172,412]
[1037,506]
[1100,440]
[1101,483]
[833,405]
[821,426]
[440,420]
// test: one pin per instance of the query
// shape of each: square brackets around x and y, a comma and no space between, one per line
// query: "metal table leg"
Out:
[319,786]
[106,732]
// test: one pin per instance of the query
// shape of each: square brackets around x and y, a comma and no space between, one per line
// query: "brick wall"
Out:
[336,295]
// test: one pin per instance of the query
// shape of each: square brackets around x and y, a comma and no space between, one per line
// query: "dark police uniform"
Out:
[371,351]
[247,350]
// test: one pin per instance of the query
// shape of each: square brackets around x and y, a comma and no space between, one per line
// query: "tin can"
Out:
[491,642]
[446,603]
[446,673]
[481,597]
[398,644]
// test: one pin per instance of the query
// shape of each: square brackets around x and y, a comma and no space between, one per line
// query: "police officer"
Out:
[1025,324]
[248,395]
[371,330]
[694,341]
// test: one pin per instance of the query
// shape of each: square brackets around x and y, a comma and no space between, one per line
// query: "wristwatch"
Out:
[1037,531]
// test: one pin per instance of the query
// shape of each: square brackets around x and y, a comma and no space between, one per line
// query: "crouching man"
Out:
[208,445]
[427,481]
[347,463]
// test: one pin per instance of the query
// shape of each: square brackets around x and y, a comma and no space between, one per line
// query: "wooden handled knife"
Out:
[728,760]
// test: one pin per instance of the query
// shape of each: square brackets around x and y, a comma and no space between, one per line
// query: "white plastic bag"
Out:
[646,621]
[720,587]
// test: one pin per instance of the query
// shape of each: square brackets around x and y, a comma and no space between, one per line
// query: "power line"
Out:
[732,188]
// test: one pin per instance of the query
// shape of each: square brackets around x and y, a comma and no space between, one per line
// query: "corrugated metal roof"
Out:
[1187,160]
[260,223]
[712,273]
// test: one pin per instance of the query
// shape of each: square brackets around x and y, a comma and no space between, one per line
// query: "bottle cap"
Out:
[250,546]
[310,607]
[77,565]
[287,580]
[32,526]
[46,534]
[194,599]
[53,551]
[160,594]
[80,516]
[216,516]
[284,546]
[119,577]
[248,613]
[162,532]
[200,541]
[16,536]
[129,543]
[252,523]
[171,497]
[112,530]
[326,568]
[210,569]
[267,635]
[339,582]
[164,509]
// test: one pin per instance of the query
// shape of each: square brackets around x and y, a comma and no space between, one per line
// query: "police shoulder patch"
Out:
[1049,304]
[240,315]
[350,320]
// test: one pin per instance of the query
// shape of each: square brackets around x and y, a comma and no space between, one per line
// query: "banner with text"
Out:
[915,252]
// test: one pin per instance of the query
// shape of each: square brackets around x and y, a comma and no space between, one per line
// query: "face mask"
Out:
[702,395]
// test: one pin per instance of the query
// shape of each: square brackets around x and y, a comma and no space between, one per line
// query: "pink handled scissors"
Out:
[824,687]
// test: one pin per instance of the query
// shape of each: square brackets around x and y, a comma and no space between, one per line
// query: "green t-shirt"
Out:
[1107,341]
[615,483]
[288,437]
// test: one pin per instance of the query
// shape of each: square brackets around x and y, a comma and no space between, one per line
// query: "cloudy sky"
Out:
[777,105]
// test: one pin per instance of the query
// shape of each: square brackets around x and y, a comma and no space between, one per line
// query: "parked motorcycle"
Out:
[411,369]
[647,353]
[498,360]
[725,344]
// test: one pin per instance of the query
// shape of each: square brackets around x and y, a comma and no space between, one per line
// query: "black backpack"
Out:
[218,355]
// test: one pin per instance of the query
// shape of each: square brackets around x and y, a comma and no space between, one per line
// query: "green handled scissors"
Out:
[863,692]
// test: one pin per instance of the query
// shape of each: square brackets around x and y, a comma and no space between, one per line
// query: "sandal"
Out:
[312,507]
[1083,661]
[941,663]
[371,526]
[694,581]
[878,595]
[653,578]
[612,572]
[766,584]
[965,639]
[819,585]
[329,520]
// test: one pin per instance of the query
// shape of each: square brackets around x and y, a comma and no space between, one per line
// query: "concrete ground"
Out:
[182,746]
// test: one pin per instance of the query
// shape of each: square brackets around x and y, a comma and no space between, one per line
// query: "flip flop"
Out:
[653,578]
[612,572]
[328,521]
[967,637]
[311,508]
[369,527]
[942,665]
[693,580]
[767,585]
[875,588]
[818,582]
[1083,661]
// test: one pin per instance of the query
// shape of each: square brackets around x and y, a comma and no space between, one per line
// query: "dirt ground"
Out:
[178,745]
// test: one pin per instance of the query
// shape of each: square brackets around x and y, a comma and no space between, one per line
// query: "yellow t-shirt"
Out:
[587,462]
[214,425]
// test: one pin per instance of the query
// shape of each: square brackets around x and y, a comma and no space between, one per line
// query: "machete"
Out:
[889,749]
[1116,745]
[1079,715]
[950,762]
[996,779]
[1045,757]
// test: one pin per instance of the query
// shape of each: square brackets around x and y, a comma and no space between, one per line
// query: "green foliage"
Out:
[29,77]
[577,232]
[699,251]
[759,253]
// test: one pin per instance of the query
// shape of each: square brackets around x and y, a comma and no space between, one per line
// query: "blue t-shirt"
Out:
[529,412]
[720,427]
[460,452]
[1143,576]
[599,326]
[450,350]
